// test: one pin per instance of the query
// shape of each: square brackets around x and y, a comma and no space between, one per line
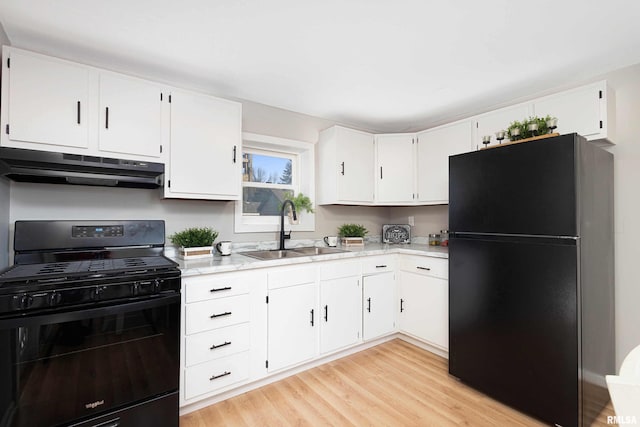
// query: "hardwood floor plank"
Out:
[393,384]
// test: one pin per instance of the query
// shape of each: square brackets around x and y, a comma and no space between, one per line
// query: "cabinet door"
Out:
[292,325]
[340,311]
[424,309]
[205,154]
[433,150]
[130,116]
[395,172]
[379,305]
[490,123]
[355,157]
[577,110]
[48,101]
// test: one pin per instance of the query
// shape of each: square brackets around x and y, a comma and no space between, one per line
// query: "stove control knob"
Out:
[55,298]
[156,285]
[25,301]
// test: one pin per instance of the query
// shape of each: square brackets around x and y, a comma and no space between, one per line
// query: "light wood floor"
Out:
[393,384]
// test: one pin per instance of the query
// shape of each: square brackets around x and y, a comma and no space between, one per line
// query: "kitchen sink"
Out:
[273,254]
[312,250]
[291,253]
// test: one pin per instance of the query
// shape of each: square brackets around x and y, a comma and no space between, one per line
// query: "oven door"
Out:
[57,368]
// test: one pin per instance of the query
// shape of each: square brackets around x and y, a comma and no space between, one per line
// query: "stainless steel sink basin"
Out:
[273,254]
[291,253]
[312,250]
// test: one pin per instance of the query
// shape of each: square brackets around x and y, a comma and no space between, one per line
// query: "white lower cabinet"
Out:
[292,325]
[424,300]
[223,332]
[240,327]
[340,305]
[379,308]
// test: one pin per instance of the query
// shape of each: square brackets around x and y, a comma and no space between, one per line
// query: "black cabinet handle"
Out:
[106,118]
[380,172]
[226,313]
[78,112]
[381,266]
[213,347]
[226,288]
[401,303]
[235,151]
[342,164]
[326,313]
[312,317]
[224,374]
[423,268]
[369,305]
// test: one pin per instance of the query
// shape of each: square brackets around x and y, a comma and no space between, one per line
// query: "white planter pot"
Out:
[195,253]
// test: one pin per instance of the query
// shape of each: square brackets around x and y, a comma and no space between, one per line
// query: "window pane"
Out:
[262,201]
[263,168]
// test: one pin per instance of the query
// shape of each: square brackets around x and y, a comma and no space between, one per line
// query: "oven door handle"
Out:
[47,317]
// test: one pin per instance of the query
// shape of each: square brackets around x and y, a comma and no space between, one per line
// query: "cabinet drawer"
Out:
[217,343]
[214,375]
[378,264]
[427,266]
[217,313]
[339,269]
[211,286]
[283,277]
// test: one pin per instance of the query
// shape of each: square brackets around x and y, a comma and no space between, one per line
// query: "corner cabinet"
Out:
[395,168]
[433,148]
[205,154]
[346,161]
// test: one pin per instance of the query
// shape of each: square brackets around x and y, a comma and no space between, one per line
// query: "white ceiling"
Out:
[381,65]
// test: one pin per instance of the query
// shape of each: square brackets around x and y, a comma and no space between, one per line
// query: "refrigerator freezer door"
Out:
[527,188]
[513,329]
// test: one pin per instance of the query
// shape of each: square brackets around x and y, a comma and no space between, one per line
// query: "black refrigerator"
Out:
[531,262]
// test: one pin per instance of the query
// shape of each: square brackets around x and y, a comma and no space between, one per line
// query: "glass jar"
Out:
[444,237]
[434,240]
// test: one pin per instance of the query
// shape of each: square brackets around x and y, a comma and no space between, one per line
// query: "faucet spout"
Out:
[284,236]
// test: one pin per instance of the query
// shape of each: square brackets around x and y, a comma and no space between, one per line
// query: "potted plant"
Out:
[523,131]
[352,234]
[194,242]
[301,202]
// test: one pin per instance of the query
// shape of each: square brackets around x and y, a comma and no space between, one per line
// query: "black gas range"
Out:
[89,326]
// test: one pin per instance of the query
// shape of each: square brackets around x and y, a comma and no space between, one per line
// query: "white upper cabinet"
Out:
[489,123]
[206,147]
[395,174]
[130,116]
[587,110]
[434,147]
[346,159]
[45,102]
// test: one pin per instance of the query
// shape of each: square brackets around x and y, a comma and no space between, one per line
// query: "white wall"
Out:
[626,83]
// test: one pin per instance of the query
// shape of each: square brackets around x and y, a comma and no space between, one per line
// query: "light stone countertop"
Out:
[239,262]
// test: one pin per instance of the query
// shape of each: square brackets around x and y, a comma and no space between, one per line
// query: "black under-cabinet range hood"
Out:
[60,168]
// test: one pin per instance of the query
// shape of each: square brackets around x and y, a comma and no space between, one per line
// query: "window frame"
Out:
[303,173]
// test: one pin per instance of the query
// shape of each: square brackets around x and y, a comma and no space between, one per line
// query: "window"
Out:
[272,169]
[267,179]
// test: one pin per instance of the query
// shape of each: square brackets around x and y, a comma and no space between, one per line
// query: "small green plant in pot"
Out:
[520,129]
[195,242]
[352,234]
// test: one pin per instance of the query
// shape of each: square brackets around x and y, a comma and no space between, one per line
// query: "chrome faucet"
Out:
[284,236]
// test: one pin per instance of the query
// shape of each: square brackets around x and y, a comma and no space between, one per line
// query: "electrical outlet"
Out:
[411,221]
